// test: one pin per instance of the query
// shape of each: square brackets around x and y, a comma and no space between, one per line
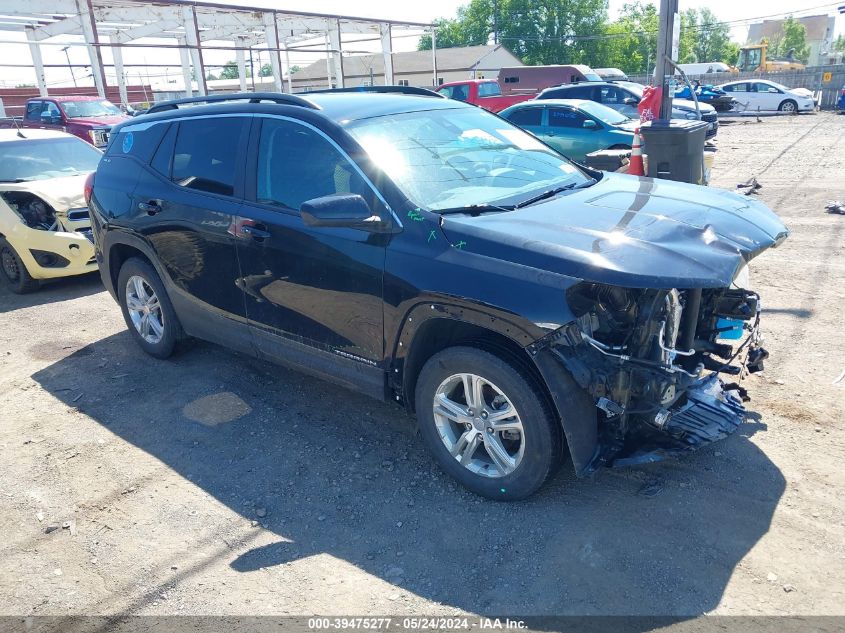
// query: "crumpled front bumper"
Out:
[712,411]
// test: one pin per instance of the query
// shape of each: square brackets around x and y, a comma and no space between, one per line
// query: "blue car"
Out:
[840,103]
[574,127]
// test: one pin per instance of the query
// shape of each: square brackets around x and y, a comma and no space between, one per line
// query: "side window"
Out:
[138,141]
[163,158]
[581,92]
[51,108]
[402,82]
[511,80]
[489,89]
[767,88]
[460,92]
[526,116]
[610,94]
[729,88]
[296,164]
[206,153]
[446,92]
[33,110]
[559,117]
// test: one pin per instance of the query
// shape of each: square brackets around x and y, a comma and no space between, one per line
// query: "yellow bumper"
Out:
[73,247]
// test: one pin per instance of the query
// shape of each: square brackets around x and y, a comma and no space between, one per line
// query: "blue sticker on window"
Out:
[128,141]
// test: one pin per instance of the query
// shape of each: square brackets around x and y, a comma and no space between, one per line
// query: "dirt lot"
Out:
[215,484]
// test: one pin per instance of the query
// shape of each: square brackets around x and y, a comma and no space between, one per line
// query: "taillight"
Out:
[89,188]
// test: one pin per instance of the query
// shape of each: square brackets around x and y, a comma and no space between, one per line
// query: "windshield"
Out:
[637,89]
[778,86]
[592,76]
[41,159]
[85,109]
[446,159]
[599,111]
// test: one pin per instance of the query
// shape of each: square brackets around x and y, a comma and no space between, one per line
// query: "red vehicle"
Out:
[515,85]
[485,93]
[89,118]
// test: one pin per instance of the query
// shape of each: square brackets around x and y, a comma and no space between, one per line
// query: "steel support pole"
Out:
[387,51]
[192,37]
[669,29]
[335,41]
[184,58]
[271,35]
[89,31]
[117,55]
[241,57]
[35,51]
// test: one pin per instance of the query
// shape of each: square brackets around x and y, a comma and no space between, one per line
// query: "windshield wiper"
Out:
[553,192]
[17,180]
[475,209]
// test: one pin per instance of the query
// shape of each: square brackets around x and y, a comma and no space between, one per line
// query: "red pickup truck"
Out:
[485,93]
[89,118]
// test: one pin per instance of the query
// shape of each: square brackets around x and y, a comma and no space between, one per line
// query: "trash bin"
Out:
[675,149]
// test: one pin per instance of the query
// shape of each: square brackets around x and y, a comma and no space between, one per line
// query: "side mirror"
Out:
[630,101]
[348,210]
[589,124]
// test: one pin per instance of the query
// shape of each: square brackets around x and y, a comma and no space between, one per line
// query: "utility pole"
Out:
[667,46]
[69,67]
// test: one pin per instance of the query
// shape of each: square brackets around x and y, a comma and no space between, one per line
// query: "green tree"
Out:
[791,41]
[294,69]
[230,71]
[839,44]
[632,42]
[536,31]
[266,70]
[711,38]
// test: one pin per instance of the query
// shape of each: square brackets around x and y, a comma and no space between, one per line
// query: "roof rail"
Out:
[405,90]
[252,97]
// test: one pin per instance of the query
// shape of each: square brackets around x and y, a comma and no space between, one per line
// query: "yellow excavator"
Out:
[753,58]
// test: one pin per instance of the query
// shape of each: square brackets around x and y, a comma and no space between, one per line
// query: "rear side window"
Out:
[296,164]
[163,158]
[527,116]
[490,89]
[206,153]
[137,141]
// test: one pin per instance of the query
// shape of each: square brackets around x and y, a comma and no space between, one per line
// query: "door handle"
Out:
[255,232]
[150,208]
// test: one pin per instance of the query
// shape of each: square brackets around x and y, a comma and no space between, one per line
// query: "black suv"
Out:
[623,96]
[427,252]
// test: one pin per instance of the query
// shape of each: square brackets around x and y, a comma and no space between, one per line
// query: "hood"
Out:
[802,92]
[628,231]
[103,121]
[60,193]
[688,104]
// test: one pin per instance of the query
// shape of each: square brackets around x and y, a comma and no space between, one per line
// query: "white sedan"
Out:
[764,95]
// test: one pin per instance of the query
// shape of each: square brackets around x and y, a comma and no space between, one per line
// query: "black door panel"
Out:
[319,286]
[189,220]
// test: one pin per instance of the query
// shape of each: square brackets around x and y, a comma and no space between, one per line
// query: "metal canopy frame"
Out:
[118,24]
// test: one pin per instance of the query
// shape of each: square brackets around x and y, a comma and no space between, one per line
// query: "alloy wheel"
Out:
[479,425]
[144,309]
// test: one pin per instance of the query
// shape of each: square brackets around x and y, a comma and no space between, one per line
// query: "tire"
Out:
[788,105]
[158,343]
[534,457]
[13,271]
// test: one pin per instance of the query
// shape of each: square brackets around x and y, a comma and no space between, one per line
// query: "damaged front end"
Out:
[652,359]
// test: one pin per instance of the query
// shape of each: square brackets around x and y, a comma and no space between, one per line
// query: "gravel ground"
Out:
[216,484]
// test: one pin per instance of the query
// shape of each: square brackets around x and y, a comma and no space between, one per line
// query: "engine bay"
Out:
[652,360]
[32,210]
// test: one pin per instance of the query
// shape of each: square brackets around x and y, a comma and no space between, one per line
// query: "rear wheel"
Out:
[788,106]
[486,425]
[146,308]
[15,275]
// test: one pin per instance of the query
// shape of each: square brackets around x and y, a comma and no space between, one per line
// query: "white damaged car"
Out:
[45,231]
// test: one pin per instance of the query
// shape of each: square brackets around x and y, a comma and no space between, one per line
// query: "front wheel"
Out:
[146,308]
[788,106]
[14,272]
[486,425]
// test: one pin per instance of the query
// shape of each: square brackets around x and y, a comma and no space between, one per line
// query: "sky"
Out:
[727,10]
